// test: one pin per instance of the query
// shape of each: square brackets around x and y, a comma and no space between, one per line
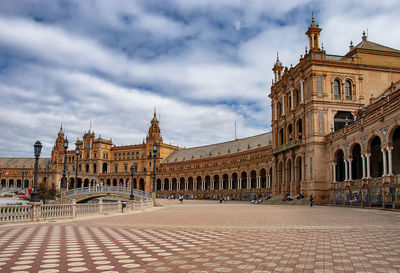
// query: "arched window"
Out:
[336,89]
[347,87]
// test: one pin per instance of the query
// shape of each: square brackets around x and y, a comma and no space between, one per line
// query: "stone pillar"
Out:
[229,184]
[384,162]
[283,105]
[363,167]
[73,208]
[221,184]
[350,160]
[186,185]
[368,166]
[291,98]
[239,183]
[390,167]
[203,185]
[334,171]
[119,205]
[101,209]
[248,182]
[274,110]
[35,210]
[212,184]
[301,91]
[258,182]
[346,172]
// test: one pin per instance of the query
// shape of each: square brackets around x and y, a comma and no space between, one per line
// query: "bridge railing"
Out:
[107,189]
[38,211]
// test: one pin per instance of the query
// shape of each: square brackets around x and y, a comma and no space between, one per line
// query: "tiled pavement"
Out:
[205,236]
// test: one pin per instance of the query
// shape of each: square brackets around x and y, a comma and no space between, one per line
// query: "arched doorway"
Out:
[396,151]
[108,182]
[341,119]
[216,182]
[166,184]
[158,187]
[253,179]
[142,184]
[376,160]
[298,175]
[288,176]
[86,183]
[115,183]
[71,183]
[182,183]
[234,181]
[207,182]
[225,181]
[356,163]
[134,183]
[104,168]
[190,183]
[339,160]
[199,183]
[243,176]
[174,184]
[263,175]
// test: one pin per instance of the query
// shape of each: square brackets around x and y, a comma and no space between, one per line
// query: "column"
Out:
[301,91]
[390,171]
[363,167]
[203,185]
[186,185]
[178,186]
[368,166]
[283,105]
[248,182]
[334,171]
[212,184]
[291,99]
[162,186]
[346,177]
[230,183]
[170,186]
[350,160]
[384,162]
[239,183]
[220,184]
[274,110]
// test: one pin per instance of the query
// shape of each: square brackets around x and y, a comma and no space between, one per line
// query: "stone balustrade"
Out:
[38,211]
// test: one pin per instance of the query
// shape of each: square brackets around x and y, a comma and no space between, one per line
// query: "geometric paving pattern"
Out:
[71,247]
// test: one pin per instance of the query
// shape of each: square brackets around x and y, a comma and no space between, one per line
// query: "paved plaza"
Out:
[205,236]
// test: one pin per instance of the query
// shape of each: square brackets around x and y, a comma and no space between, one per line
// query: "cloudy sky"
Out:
[203,63]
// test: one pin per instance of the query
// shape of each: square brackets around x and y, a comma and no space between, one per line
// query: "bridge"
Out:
[87,193]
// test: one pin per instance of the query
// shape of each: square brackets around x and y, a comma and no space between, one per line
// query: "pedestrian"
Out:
[311,200]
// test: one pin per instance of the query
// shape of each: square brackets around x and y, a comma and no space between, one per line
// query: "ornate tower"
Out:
[313,35]
[277,69]
[154,134]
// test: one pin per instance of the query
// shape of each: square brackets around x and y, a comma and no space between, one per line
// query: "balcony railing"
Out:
[291,144]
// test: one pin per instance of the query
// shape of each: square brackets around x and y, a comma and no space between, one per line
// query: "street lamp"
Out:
[77,152]
[132,197]
[154,171]
[37,149]
[64,178]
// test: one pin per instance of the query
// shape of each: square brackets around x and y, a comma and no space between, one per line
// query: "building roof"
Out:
[23,162]
[365,44]
[220,149]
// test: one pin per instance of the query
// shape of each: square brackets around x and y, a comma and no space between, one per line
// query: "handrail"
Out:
[107,189]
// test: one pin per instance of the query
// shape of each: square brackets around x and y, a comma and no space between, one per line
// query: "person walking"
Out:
[311,200]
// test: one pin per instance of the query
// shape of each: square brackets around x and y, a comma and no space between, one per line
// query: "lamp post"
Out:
[63,180]
[37,150]
[132,197]
[154,172]
[77,152]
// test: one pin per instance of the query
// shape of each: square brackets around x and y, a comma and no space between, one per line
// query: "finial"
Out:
[351,43]
[306,51]
[61,127]
[322,46]
[364,37]
[312,16]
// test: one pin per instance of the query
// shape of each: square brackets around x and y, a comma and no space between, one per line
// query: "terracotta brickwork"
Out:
[335,134]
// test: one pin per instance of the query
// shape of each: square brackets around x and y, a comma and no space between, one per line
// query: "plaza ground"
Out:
[206,236]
